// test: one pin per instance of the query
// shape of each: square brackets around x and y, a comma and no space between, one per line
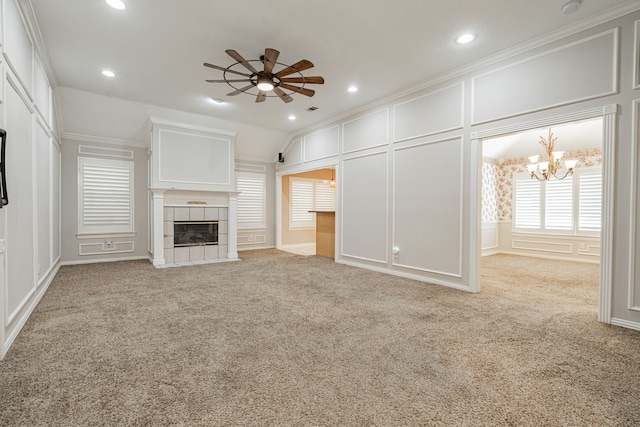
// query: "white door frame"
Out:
[608,114]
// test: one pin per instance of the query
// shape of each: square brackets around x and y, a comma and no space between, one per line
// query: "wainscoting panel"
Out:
[489,237]
[429,114]
[21,254]
[18,49]
[427,208]
[554,78]
[322,144]
[543,246]
[43,200]
[365,132]
[193,158]
[101,248]
[365,207]
[42,92]
[293,155]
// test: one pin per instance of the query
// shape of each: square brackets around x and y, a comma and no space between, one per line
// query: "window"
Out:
[571,205]
[105,196]
[306,194]
[251,200]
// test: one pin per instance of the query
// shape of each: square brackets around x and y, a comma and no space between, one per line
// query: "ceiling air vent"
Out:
[312,108]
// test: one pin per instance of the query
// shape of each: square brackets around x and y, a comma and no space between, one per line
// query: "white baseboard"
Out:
[559,258]
[405,275]
[97,261]
[296,245]
[242,248]
[21,318]
[625,324]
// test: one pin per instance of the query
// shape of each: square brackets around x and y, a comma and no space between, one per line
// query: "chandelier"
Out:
[552,164]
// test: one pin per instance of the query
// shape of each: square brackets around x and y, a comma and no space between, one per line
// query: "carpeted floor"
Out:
[282,339]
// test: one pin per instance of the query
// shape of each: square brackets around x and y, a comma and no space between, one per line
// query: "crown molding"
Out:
[503,55]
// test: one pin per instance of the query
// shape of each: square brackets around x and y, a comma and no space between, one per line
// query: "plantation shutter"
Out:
[527,204]
[325,197]
[300,203]
[559,204]
[251,200]
[590,202]
[105,195]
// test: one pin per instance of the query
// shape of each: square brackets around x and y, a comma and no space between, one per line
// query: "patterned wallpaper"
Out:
[497,181]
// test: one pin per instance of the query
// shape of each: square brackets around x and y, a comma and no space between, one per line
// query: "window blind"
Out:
[106,195]
[590,204]
[251,200]
[527,204]
[558,206]
[300,203]
[307,194]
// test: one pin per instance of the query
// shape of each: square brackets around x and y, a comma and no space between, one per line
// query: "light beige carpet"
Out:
[286,340]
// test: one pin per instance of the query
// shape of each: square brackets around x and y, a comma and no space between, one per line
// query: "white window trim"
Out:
[252,225]
[84,229]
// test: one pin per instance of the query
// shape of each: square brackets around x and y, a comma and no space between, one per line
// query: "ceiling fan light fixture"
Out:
[117,4]
[265,84]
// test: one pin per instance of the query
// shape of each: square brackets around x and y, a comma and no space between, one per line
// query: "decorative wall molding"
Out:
[523,110]
[385,135]
[537,245]
[456,89]
[633,197]
[316,138]
[458,273]
[105,152]
[102,248]
[102,140]
[636,56]
[183,126]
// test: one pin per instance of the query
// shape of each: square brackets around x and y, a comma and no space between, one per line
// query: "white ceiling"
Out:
[157,47]
[571,137]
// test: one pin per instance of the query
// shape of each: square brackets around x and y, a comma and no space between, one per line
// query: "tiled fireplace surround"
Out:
[179,205]
[195,254]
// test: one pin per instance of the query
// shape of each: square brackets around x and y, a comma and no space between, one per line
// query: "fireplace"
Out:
[195,233]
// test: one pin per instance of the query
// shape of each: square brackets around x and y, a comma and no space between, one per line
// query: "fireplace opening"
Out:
[195,233]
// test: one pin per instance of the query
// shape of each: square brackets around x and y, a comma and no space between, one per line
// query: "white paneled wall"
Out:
[30,223]
[410,167]
[365,195]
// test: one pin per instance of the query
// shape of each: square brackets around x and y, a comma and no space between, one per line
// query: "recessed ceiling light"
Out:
[292,117]
[117,4]
[466,38]
[352,89]
[217,101]
[108,73]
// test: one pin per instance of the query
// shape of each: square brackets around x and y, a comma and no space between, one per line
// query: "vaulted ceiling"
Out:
[157,47]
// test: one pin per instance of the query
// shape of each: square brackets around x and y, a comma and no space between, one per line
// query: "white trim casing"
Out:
[635,139]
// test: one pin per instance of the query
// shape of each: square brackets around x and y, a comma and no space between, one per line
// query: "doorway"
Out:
[608,117]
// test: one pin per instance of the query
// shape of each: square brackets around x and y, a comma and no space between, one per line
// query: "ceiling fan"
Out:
[264,79]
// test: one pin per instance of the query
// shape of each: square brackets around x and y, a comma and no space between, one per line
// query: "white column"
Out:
[232,224]
[158,227]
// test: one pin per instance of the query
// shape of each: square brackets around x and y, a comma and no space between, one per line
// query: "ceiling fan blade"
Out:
[282,95]
[217,67]
[295,68]
[270,58]
[228,81]
[235,55]
[262,95]
[316,80]
[237,91]
[304,91]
